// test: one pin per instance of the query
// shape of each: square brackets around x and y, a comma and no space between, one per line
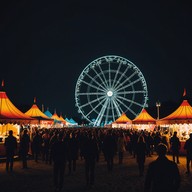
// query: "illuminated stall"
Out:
[10,118]
[71,122]
[122,122]
[57,120]
[144,121]
[63,121]
[42,120]
[180,120]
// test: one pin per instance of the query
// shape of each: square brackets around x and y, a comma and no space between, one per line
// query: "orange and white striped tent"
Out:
[180,120]
[55,117]
[9,112]
[144,118]
[62,120]
[122,122]
[144,121]
[37,114]
[183,114]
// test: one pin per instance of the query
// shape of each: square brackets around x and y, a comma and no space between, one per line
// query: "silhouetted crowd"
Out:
[62,147]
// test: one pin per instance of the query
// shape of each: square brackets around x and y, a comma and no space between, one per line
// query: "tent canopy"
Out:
[62,119]
[144,118]
[123,119]
[183,114]
[34,111]
[8,111]
[55,117]
[48,113]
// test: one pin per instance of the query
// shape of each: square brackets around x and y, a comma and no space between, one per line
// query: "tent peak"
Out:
[184,92]
[185,97]
[2,85]
[42,106]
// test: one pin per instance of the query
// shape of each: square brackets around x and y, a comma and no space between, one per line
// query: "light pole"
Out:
[158,105]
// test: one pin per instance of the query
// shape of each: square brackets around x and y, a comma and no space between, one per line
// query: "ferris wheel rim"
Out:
[109,92]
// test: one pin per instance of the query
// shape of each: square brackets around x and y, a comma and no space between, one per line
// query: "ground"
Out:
[125,177]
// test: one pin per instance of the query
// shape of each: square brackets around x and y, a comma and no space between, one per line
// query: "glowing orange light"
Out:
[2,83]
[184,92]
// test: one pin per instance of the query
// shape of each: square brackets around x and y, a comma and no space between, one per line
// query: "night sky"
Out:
[45,45]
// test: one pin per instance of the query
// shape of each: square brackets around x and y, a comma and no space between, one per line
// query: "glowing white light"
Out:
[109,93]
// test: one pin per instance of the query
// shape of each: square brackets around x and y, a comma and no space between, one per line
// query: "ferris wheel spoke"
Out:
[127,107]
[112,110]
[127,79]
[93,86]
[119,80]
[128,85]
[94,108]
[107,112]
[116,74]
[93,93]
[129,92]
[109,74]
[130,101]
[91,102]
[99,84]
[117,107]
[101,114]
[99,76]
[105,80]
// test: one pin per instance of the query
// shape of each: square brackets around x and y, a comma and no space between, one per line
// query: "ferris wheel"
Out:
[109,86]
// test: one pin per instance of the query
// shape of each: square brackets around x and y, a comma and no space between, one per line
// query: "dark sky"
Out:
[45,45]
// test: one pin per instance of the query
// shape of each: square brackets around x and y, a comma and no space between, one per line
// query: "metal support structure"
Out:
[158,105]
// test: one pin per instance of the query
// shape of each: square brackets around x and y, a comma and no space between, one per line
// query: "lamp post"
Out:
[158,105]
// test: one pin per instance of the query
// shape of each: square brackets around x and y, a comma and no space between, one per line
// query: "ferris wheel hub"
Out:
[109,93]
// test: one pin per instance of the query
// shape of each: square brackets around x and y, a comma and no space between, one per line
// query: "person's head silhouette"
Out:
[10,132]
[175,133]
[161,149]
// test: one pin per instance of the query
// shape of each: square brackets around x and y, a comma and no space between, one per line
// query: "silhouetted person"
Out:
[109,147]
[175,146]
[10,147]
[141,150]
[90,154]
[134,139]
[45,146]
[24,147]
[188,148]
[53,139]
[36,145]
[156,140]
[150,141]
[165,141]
[162,174]
[72,151]
[121,147]
[59,159]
